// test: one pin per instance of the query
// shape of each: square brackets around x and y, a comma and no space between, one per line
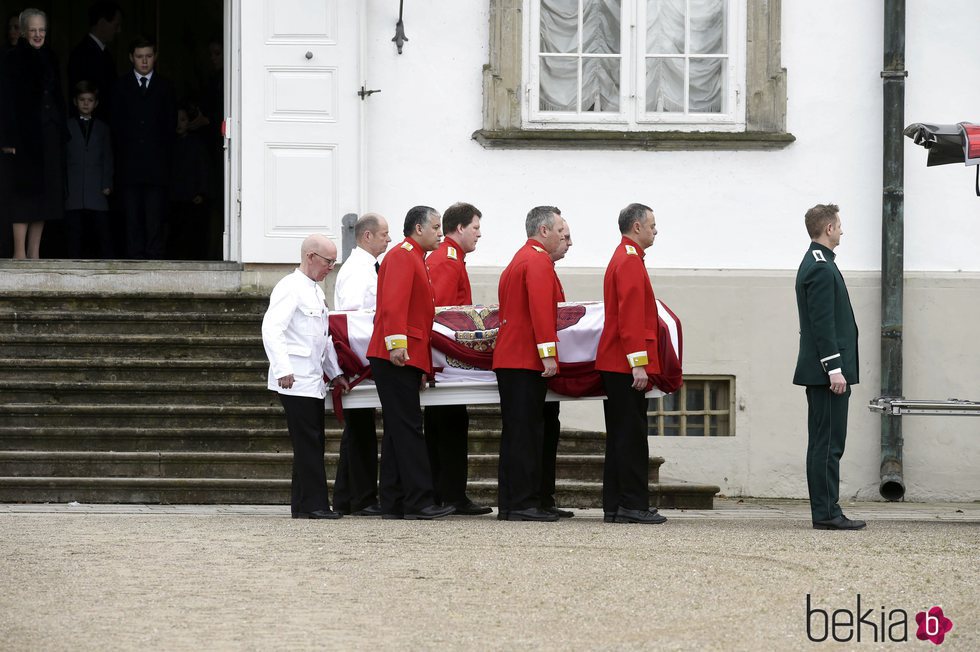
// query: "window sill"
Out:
[631,140]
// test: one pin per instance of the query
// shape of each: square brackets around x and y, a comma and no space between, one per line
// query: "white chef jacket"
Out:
[296,337]
[356,286]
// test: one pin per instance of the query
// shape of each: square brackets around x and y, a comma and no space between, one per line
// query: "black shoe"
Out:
[429,513]
[342,510]
[624,515]
[562,513]
[397,516]
[531,514]
[839,523]
[370,510]
[502,515]
[468,508]
[609,517]
[319,514]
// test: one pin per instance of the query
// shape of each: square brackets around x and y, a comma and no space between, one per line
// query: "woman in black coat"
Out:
[33,134]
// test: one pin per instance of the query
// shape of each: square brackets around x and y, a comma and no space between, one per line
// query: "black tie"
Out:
[143,81]
[86,128]
[377,267]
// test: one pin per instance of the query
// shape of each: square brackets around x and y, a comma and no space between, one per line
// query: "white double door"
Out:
[300,123]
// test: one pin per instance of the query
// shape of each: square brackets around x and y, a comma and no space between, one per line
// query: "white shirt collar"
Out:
[149,76]
[362,254]
[97,41]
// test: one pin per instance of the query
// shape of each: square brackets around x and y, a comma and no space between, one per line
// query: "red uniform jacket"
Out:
[629,332]
[447,269]
[528,296]
[405,307]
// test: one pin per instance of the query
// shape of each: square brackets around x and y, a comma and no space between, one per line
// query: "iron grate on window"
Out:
[704,406]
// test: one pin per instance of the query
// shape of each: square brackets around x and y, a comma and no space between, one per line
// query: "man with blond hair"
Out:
[827,364]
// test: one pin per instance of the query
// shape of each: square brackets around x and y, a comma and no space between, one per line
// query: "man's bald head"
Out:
[318,256]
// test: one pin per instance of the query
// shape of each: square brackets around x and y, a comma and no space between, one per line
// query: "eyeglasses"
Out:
[329,261]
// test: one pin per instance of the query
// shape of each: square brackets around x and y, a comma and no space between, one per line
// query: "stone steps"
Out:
[123,369]
[202,438]
[162,347]
[161,398]
[107,323]
[241,465]
[221,491]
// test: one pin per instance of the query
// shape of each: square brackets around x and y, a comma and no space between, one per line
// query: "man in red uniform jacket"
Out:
[400,363]
[626,356]
[447,426]
[552,409]
[525,356]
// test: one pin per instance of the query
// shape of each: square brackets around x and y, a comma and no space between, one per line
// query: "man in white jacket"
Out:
[355,490]
[297,342]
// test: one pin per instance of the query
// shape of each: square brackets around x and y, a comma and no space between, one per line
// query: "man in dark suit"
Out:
[827,364]
[144,119]
[91,61]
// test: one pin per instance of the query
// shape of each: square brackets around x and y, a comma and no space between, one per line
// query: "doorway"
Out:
[191,44]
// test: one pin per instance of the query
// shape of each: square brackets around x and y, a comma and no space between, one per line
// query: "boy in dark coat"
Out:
[89,173]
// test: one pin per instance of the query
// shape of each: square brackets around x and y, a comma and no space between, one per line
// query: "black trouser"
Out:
[406,481]
[145,206]
[522,393]
[356,486]
[305,419]
[446,430]
[626,472]
[827,430]
[189,231]
[82,229]
[549,455]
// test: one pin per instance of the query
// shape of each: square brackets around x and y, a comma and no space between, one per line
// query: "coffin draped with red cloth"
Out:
[463,338]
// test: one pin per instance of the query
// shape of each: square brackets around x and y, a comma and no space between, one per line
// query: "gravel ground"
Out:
[115,577]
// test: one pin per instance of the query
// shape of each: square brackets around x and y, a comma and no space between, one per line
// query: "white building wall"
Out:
[730,224]
[740,210]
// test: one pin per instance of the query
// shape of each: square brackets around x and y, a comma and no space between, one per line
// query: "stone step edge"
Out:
[110,409]
[122,315]
[564,485]
[111,362]
[155,387]
[74,339]
[22,455]
[577,459]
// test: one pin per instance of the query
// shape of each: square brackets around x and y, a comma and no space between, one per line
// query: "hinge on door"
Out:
[364,93]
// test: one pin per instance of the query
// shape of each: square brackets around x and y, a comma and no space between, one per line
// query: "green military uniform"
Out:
[828,344]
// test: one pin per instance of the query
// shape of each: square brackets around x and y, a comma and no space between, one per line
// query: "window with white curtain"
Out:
[635,64]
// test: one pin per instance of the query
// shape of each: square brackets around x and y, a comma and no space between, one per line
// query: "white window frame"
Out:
[632,115]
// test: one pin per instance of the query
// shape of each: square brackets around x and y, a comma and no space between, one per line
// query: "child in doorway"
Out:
[88,157]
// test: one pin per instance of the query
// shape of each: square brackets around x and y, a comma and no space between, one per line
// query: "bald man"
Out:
[297,342]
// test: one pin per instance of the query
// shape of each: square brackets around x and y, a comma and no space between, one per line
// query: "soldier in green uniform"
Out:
[827,364]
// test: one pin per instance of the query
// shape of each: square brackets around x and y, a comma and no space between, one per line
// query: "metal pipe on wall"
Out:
[892,484]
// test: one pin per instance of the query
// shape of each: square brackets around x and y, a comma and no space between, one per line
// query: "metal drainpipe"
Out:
[892,485]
